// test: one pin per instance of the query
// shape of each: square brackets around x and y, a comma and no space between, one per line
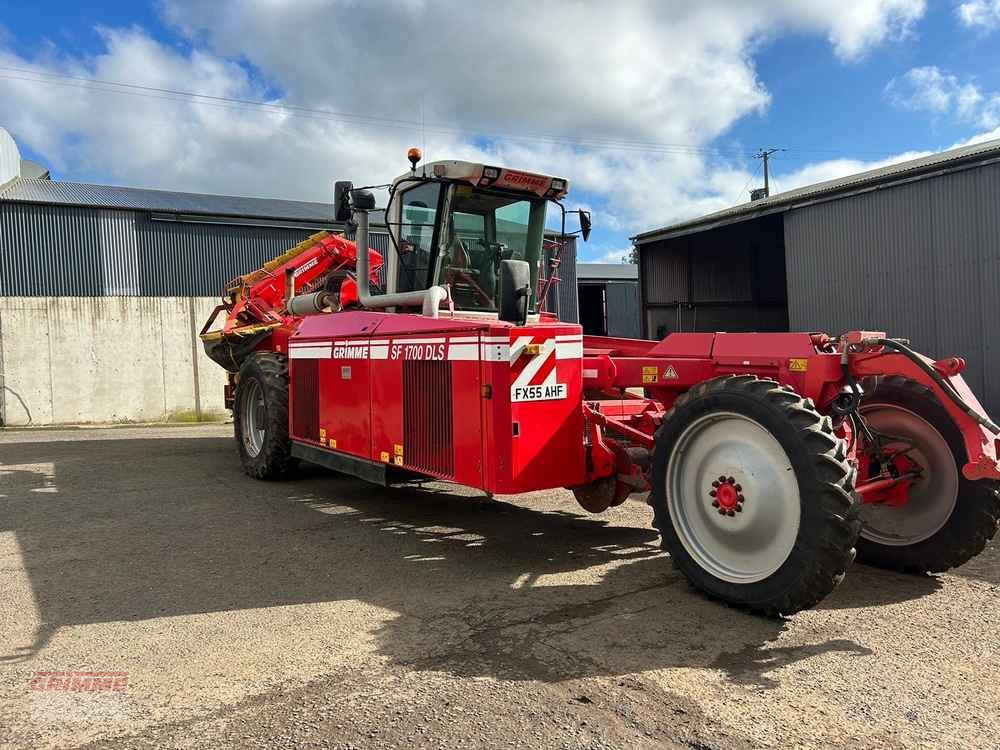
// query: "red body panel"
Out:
[481,403]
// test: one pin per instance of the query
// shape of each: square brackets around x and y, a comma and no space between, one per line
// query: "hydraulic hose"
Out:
[940,380]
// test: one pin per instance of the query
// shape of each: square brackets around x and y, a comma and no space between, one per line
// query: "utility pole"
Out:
[765,155]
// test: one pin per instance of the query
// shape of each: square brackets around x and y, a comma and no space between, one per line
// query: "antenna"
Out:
[423,132]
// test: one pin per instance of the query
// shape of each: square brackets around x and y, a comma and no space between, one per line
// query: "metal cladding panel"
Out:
[664,270]
[52,250]
[919,261]
[565,292]
[623,310]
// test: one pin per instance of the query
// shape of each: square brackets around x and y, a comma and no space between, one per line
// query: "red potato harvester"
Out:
[769,458]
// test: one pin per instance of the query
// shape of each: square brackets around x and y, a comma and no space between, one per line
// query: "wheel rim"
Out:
[931,498]
[253,418]
[741,538]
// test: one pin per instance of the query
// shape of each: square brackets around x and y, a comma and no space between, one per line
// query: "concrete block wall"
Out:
[106,359]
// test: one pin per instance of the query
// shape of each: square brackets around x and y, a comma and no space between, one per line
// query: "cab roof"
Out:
[488,176]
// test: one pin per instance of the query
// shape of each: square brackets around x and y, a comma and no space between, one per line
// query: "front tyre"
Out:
[260,416]
[752,495]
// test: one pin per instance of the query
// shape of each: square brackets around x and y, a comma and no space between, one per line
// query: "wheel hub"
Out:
[733,541]
[728,498]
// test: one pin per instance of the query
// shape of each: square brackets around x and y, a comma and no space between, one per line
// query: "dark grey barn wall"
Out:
[623,309]
[48,250]
[919,260]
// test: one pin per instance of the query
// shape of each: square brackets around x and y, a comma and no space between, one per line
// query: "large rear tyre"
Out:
[260,416]
[752,495]
[947,519]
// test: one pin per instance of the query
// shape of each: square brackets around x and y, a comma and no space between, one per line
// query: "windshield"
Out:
[482,229]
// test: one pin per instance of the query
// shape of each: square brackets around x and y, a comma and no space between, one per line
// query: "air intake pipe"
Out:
[429,299]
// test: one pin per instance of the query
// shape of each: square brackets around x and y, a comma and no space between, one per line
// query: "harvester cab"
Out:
[470,236]
[768,459]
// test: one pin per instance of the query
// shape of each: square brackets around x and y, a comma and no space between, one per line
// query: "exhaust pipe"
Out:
[429,299]
[310,304]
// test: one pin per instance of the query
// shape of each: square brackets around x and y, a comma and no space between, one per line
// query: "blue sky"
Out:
[651,110]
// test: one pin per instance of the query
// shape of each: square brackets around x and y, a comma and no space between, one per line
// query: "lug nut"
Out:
[715,503]
[738,488]
[730,513]
[722,478]
[715,483]
[722,511]
[712,493]
[739,508]
[740,499]
[731,480]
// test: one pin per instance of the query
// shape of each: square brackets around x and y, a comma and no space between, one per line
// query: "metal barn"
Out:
[912,249]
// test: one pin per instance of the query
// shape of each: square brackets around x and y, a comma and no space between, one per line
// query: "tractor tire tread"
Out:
[275,458]
[821,556]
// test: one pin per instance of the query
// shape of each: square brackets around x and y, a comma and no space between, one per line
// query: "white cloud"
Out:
[984,14]
[595,85]
[620,255]
[929,89]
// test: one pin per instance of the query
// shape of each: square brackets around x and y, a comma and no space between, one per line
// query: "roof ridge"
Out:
[887,173]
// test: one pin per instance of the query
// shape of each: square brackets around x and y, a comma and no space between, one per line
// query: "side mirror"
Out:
[342,200]
[515,291]
[585,224]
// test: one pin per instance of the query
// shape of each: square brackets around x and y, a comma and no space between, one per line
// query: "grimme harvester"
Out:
[768,457]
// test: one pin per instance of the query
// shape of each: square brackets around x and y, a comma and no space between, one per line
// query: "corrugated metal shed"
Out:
[926,166]
[74,250]
[921,261]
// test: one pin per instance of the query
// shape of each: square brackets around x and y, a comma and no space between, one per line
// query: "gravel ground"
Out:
[325,612]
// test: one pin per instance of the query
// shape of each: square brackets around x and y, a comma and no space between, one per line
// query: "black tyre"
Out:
[752,495]
[260,416]
[947,519]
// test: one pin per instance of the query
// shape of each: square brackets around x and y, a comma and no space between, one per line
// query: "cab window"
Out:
[416,236]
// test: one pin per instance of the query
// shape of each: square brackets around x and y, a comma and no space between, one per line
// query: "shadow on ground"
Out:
[137,529]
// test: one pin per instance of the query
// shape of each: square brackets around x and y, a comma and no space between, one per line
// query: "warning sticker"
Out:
[650,374]
[670,373]
[798,365]
[385,457]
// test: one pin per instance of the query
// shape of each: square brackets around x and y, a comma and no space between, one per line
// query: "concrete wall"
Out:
[105,359]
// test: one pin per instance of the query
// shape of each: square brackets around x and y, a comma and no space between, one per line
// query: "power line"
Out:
[118,87]
[752,178]
[414,126]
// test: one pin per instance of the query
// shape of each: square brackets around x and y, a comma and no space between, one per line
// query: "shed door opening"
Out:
[593,310]
[727,279]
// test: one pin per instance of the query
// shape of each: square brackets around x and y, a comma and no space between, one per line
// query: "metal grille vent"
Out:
[305,398]
[428,440]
